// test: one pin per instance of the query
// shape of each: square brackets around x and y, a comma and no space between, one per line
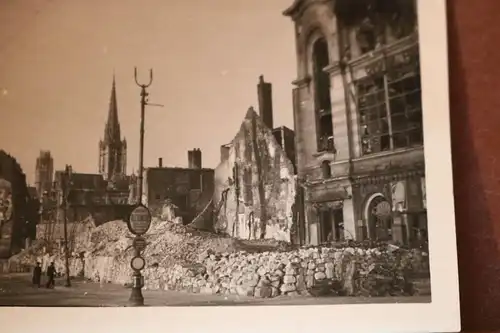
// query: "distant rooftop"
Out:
[177,168]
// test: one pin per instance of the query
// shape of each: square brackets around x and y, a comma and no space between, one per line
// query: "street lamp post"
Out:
[144,100]
[140,218]
[65,188]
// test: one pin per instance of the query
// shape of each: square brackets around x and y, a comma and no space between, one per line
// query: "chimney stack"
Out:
[194,158]
[190,159]
[160,162]
[197,158]
[265,95]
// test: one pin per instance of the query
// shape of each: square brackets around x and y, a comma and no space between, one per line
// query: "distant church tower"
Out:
[44,173]
[112,150]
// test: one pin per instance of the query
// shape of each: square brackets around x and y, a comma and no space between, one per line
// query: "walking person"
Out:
[37,275]
[51,272]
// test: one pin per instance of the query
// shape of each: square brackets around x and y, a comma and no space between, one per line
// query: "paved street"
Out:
[16,290]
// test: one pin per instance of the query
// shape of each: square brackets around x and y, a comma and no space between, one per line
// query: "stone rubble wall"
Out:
[348,271]
[181,259]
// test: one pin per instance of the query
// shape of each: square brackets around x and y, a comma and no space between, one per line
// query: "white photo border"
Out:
[441,315]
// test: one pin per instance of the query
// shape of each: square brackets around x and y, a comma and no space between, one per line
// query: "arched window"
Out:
[322,98]
[379,219]
[367,36]
[326,170]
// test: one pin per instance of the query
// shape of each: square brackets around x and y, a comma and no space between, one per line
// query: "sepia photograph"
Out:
[234,154]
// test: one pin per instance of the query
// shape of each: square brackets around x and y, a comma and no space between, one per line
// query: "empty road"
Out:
[16,290]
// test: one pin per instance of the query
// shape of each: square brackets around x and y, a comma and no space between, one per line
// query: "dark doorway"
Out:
[338,221]
[326,226]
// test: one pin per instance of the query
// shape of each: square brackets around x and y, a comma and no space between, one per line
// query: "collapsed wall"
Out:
[179,258]
[255,187]
[347,271]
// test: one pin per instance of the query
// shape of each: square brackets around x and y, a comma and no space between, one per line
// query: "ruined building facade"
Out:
[358,120]
[112,149]
[90,195]
[18,214]
[189,189]
[44,173]
[255,187]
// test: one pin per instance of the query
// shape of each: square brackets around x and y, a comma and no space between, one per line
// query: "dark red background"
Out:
[474,54]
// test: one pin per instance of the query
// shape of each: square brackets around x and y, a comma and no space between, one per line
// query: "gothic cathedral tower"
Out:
[112,150]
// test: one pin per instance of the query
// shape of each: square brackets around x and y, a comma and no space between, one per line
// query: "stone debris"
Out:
[314,271]
[184,259]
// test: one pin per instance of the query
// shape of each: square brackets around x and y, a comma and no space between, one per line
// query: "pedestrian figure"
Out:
[51,272]
[37,275]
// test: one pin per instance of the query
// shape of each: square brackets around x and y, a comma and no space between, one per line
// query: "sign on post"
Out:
[137,263]
[139,243]
[140,220]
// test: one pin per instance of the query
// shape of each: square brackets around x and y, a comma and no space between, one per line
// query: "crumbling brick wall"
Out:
[256,185]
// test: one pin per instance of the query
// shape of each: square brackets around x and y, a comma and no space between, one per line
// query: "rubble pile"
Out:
[29,256]
[316,271]
[181,258]
[169,245]
[38,252]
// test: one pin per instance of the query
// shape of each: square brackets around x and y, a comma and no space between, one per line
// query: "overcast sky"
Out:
[57,60]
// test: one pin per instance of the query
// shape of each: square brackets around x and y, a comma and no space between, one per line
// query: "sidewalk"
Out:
[15,290]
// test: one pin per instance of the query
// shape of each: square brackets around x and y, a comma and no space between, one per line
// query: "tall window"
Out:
[323,104]
[389,105]
[326,170]
[248,186]
[367,37]
[195,181]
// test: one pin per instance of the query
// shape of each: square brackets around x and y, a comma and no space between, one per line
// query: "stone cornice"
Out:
[388,177]
[292,10]
[302,82]
[325,156]
[319,182]
[333,69]
[395,152]
[338,192]
[298,7]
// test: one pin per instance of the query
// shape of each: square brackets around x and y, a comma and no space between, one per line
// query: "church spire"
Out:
[112,130]
[112,150]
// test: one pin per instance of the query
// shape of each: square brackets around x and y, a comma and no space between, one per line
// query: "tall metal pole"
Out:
[136,297]
[65,190]
[144,101]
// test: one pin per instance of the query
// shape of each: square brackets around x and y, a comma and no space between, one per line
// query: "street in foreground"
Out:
[16,290]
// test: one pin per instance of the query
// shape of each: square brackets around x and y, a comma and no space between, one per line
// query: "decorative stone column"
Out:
[312,224]
[361,230]
[304,120]
[339,114]
[398,228]
[350,229]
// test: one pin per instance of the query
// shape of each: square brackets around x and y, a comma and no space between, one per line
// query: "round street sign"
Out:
[140,220]
[139,243]
[137,263]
